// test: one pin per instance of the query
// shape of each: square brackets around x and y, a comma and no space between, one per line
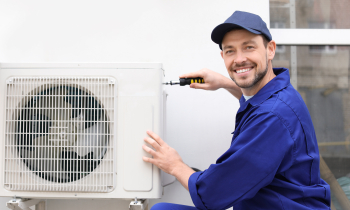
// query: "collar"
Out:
[281,81]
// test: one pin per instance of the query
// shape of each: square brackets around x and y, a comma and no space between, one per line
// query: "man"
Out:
[273,160]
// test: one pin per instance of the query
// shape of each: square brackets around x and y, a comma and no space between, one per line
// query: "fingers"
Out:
[156,138]
[152,142]
[155,141]
[149,150]
[148,160]
[199,86]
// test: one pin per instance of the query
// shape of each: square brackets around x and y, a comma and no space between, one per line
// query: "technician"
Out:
[273,161]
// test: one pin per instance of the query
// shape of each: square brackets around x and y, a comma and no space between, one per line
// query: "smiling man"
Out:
[273,160]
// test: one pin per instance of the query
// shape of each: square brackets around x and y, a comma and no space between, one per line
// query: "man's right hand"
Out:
[213,81]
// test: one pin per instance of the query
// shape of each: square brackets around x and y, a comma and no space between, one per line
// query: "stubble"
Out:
[257,78]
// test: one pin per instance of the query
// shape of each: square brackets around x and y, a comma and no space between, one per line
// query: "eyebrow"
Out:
[227,47]
[244,43]
[249,42]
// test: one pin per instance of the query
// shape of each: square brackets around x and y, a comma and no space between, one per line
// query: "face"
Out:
[245,57]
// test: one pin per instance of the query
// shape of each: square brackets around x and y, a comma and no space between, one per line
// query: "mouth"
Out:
[243,70]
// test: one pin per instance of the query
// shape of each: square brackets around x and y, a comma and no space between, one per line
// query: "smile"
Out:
[243,70]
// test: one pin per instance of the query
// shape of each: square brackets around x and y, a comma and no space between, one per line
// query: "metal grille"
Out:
[59,134]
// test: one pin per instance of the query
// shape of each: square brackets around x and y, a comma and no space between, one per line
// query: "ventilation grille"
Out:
[59,134]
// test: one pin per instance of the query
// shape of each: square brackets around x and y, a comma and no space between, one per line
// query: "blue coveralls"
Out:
[273,161]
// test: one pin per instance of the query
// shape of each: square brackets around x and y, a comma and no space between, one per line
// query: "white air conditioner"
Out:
[76,130]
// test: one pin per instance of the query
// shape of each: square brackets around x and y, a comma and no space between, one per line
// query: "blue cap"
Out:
[248,21]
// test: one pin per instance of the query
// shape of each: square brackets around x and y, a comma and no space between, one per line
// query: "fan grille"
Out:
[59,134]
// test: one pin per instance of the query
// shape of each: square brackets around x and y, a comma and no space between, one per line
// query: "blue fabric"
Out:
[249,21]
[273,160]
[171,206]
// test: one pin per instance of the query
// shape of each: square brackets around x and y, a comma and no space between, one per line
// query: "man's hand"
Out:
[166,158]
[214,81]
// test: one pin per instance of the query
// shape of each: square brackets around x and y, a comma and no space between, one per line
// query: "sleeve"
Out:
[263,147]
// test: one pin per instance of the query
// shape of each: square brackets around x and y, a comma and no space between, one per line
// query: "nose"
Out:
[240,58]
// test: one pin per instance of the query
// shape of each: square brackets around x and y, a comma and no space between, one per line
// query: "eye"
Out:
[249,47]
[229,51]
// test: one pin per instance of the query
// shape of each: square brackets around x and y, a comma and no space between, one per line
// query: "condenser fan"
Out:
[62,133]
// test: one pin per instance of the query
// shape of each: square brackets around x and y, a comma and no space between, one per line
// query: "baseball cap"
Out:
[248,21]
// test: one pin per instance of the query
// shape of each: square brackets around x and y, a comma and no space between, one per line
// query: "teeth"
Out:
[242,70]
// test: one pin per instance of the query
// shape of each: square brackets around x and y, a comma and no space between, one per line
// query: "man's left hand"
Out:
[166,158]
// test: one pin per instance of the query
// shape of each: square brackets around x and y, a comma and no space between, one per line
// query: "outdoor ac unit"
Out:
[77,130]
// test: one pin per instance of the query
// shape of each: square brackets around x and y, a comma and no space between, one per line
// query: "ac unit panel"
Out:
[137,106]
[76,130]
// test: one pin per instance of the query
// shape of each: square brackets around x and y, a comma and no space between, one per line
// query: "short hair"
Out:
[265,40]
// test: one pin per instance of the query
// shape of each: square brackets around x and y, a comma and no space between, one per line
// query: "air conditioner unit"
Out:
[76,130]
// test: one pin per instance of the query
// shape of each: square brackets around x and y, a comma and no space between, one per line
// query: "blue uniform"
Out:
[273,161]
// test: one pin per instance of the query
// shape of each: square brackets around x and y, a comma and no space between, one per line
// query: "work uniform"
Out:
[273,161]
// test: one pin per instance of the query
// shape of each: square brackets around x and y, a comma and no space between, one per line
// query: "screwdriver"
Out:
[185,81]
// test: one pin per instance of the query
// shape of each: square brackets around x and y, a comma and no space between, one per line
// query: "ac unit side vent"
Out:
[59,134]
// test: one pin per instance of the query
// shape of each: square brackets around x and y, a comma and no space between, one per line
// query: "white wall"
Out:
[175,33]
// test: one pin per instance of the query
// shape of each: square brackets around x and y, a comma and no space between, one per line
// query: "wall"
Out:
[174,33]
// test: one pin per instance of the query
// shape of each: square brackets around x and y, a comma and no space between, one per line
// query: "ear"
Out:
[271,49]
[222,54]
